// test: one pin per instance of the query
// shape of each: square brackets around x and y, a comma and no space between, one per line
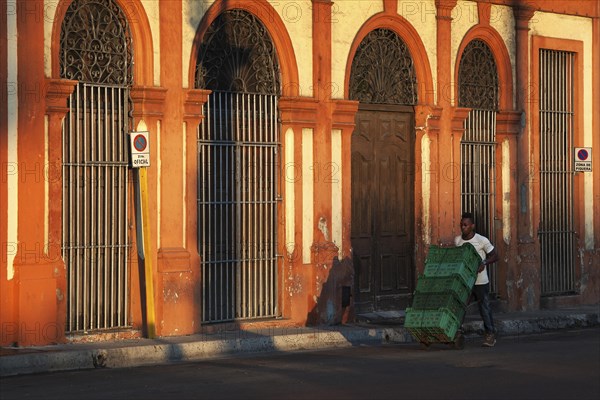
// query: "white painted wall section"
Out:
[502,20]
[506,189]
[297,18]
[426,187]
[336,189]
[152,12]
[158,183]
[308,188]
[50,8]
[290,198]
[184,185]
[13,138]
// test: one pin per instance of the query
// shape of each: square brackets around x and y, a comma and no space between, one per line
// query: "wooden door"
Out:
[383,207]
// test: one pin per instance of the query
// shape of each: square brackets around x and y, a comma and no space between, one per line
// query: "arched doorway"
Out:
[96,50]
[238,160]
[383,80]
[478,90]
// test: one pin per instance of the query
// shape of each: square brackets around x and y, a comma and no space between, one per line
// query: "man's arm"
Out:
[490,258]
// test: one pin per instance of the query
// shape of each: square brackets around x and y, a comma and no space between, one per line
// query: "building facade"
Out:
[303,156]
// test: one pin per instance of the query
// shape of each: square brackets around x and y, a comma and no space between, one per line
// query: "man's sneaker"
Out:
[489,340]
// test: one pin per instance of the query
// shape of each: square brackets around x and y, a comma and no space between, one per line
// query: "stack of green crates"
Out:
[442,293]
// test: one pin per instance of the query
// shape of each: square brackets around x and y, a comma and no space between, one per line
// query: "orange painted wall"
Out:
[36,271]
[176,282]
[32,313]
[596,128]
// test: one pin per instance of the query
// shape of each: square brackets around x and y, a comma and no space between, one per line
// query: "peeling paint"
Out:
[323,228]
[59,295]
[295,285]
[170,295]
[510,289]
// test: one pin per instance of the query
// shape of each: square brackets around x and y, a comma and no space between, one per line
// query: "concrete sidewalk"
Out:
[381,329]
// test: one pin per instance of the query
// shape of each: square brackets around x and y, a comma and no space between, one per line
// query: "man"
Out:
[481,289]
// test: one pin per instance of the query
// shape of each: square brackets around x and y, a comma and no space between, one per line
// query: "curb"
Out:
[522,326]
[172,351]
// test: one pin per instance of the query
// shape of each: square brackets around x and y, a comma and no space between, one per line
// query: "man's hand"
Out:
[490,258]
[482,265]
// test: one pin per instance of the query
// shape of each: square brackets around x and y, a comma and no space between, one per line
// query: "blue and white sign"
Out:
[583,159]
[140,149]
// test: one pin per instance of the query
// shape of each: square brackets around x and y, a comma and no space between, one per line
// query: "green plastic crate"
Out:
[420,301]
[431,326]
[450,269]
[452,284]
[412,318]
[434,301]
[423,336]
[465,254]
[412,322]
[440,324]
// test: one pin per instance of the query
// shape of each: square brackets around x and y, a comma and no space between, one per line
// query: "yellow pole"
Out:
[147,259]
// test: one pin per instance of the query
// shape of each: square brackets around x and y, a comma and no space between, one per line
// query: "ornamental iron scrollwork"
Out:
[238,55]
[383,71]
[478,77]
[96,43]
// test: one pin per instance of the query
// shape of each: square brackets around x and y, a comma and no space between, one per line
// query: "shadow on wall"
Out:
[334,302]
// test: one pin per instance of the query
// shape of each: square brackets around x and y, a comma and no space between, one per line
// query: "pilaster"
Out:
[527,267]
[444,216]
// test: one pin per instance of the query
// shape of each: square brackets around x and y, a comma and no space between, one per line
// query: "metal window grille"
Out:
[478,168]
[556,174]
[478,90]
[96,49]
[237,206]
[383,70]
[95,197]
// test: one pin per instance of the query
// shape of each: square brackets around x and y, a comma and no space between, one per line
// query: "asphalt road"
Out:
[559,365]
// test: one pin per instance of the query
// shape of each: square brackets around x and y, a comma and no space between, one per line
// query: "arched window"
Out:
[238,55]
[478,77]
[96,44]
[383,71]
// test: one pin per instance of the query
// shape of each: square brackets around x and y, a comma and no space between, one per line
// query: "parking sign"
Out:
[140,149]
[583,159]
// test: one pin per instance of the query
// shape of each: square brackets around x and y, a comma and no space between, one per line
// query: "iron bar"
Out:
[243,198]
[556,176]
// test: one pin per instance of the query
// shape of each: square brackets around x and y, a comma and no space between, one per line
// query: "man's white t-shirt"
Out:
[483,247]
